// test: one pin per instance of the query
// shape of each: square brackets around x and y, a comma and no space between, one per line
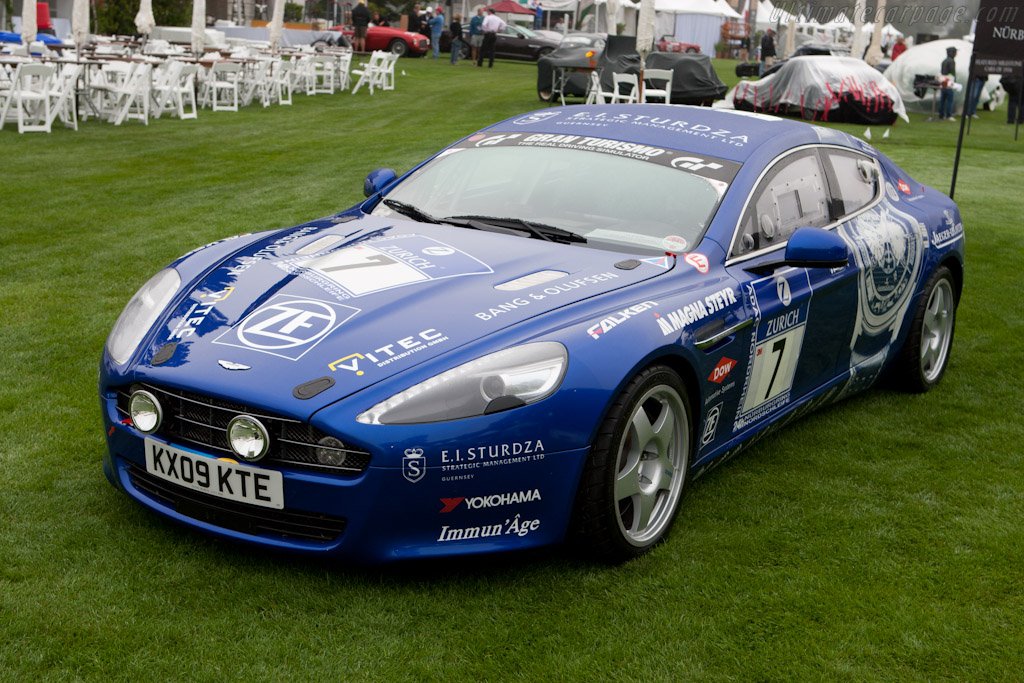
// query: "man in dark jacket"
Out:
[360,22]
[947,78]
[767,50]
[414,20]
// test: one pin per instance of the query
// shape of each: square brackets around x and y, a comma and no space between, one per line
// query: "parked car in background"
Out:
[670,44]
[392,39]
[515,42]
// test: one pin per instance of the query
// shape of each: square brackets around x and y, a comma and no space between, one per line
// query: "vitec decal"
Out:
[619,317]
[511,527]
[388,353]
[287,326]
[195,316]
[384,263]
[490,501]
[698,310]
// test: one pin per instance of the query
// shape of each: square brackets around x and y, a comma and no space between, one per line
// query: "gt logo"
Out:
[496,139]
[287,326]
[694,164]
[414,465]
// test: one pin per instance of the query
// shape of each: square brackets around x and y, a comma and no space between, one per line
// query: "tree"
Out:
[118,16]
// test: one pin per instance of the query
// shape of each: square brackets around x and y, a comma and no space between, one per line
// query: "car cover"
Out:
[839,89]
[694,80]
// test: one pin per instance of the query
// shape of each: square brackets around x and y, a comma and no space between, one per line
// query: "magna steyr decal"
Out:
[698,310]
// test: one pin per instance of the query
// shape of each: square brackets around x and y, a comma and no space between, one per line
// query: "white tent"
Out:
[768,16]
[693,21]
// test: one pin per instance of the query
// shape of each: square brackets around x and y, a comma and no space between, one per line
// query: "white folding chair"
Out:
[344,64]
[255,83]
[282,75]
[165,81]
[105,86]
[372,72]
[628,81]
[594,94]
[651,78]
[133,99]
[29,95]
[387,81]
[63,95]
[324,68]
[223,81]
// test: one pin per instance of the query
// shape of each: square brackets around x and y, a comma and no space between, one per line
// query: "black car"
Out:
[514,42]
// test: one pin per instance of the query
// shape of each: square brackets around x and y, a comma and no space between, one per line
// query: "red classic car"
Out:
[670,44]
[392,39]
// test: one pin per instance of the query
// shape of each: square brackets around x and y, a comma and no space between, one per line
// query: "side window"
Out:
[853,180]
[792,195]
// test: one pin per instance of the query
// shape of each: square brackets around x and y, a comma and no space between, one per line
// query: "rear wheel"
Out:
[925,355]
[398,47]
[544,95]
[691,50]
[544,52]
[637,471]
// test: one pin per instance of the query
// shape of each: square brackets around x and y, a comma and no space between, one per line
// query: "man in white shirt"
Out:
[491,26]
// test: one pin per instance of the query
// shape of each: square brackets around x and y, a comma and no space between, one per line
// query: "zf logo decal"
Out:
[711,425]
[287,326]
[414,465]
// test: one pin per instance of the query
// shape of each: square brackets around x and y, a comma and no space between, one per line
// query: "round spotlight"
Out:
[331,451]
[145,411]
[248,438]
[492,387]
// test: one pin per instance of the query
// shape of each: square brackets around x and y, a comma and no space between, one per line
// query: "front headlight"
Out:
[140,314]
[499,381]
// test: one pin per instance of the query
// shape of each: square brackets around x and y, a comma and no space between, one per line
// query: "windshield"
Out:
[650,201]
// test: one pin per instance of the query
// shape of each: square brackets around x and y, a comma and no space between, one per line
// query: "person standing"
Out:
[947,78]
[360,22]
[414,19]
[491,26]
[456,31]
[476,34]
[378,20]
[436,27]
[1012,86]
[899,48]
[767,50]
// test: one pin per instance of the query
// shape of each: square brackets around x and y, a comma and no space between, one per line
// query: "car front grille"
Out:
[240,517]
[197,420]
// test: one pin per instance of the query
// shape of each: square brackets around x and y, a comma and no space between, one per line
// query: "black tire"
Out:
[544,52]
[925,355]
[644,444]
[691,50]
[398,47]
[465,51]
[544,95]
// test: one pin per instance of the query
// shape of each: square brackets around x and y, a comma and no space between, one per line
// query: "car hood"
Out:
[359,301]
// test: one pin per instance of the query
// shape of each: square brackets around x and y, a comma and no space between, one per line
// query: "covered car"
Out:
[822,89]
[694,80]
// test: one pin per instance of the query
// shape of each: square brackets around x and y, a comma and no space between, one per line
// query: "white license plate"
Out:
[220,478]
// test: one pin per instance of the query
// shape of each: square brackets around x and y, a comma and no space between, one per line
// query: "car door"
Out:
[799,317]
[510,42]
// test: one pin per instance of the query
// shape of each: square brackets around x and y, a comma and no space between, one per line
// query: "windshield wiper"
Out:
[410,211]
[538,230]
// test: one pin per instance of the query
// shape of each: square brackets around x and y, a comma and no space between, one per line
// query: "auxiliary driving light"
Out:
[331,451]
[145,411]
[248,438]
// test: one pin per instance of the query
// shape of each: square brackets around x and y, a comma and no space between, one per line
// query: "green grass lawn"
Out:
[879,539]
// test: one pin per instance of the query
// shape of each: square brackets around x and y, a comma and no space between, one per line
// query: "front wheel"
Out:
[691,50]
[633,481]
[398,47]
[925,355]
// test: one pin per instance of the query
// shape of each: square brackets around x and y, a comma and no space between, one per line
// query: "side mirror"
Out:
[809,248]
[377,181]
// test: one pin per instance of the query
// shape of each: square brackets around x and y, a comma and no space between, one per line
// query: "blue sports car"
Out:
[545,331]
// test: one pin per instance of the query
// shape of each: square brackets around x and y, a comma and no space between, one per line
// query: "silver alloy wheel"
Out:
[937,330]
[650,468]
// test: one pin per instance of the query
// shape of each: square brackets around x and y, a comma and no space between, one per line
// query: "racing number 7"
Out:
[374,260]
[777,347]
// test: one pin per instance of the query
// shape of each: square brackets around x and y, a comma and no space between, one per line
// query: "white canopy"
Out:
[768,16]
[715,8]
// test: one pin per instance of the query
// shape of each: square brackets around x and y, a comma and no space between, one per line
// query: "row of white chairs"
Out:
[37,93]
[626,87]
